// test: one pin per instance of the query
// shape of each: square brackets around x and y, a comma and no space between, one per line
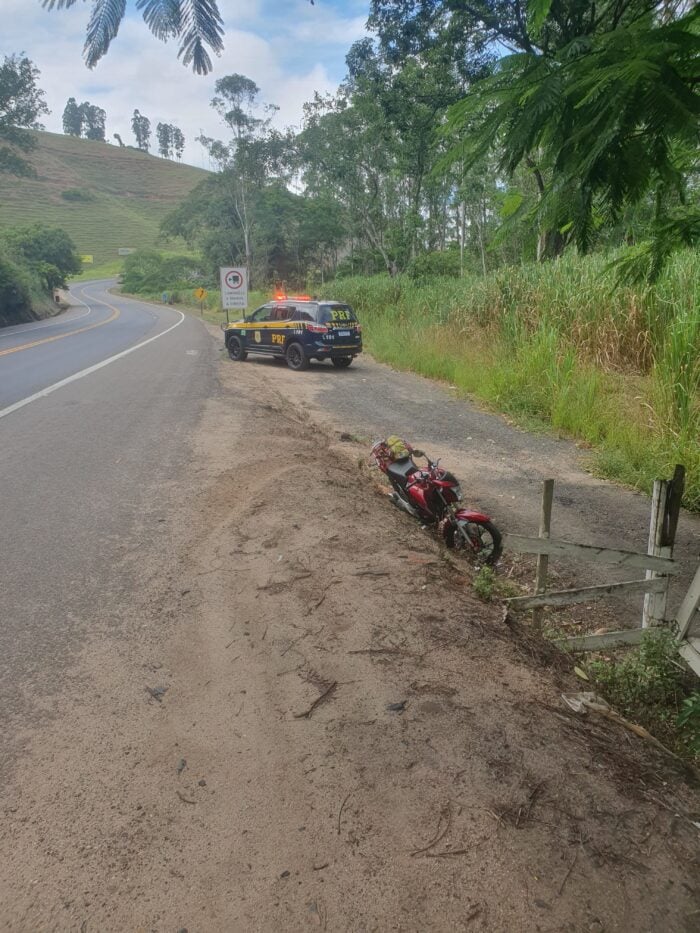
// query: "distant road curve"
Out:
[39,358]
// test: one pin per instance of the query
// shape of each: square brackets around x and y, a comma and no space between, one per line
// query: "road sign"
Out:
[200,294]
[125,250]
[234,287]
[87,259]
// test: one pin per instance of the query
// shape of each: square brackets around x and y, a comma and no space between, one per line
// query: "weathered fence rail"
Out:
[657,562]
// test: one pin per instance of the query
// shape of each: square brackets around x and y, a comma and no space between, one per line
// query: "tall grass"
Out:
[559,344]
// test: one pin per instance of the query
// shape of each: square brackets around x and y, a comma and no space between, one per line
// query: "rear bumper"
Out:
[325,352]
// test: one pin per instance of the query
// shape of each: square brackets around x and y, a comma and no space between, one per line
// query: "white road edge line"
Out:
[42,325]
[86,372]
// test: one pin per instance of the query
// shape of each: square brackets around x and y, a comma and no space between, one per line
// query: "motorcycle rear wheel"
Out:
[484,540]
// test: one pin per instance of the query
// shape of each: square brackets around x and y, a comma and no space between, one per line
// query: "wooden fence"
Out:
[657,563]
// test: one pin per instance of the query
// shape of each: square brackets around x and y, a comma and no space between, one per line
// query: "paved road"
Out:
[86,473]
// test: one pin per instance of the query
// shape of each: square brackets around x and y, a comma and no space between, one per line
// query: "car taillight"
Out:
[317,328]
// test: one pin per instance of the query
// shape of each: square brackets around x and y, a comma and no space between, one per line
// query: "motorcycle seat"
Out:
[402,469]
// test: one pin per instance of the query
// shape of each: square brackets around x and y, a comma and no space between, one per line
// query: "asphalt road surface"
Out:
[96,410]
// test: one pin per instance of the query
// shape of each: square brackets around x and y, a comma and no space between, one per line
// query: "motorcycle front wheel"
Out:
[482,539]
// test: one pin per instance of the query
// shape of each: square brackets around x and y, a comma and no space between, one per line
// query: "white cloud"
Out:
[289,49]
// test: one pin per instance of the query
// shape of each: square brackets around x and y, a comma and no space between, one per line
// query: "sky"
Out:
[288,47]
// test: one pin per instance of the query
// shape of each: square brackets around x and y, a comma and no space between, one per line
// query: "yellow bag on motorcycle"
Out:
[397,447]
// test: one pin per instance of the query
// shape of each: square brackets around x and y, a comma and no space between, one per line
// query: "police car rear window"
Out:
[335,313]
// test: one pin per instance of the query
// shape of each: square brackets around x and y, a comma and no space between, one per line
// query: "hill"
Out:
[123,194]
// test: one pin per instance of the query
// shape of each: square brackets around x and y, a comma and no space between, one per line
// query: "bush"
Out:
[651,687]
[148,272]
[48,252]
[15,292]
[445,263]
[77,194]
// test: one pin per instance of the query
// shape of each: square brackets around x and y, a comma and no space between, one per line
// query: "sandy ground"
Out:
[308,721]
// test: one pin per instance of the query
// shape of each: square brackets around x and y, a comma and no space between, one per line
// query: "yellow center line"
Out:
[81,330]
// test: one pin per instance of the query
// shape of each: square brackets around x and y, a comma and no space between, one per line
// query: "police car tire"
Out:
[296,357]
[341,362]
[235,349]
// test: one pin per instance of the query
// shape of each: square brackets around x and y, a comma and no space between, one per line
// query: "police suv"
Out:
[297,329]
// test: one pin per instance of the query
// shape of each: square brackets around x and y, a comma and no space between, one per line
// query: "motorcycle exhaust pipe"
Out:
[397,500]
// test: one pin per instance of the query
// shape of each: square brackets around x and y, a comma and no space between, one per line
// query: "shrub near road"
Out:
[559,344]
[33,262]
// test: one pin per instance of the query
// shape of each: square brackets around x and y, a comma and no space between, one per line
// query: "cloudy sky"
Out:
[288,47]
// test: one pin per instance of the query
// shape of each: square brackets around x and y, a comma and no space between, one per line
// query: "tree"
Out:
[93,119]
[604,120]
[246,154]
[72,119]
[48,251]
[164,134]
[142,131]
[119,140]
[21,105]
[598,99]
[178,142]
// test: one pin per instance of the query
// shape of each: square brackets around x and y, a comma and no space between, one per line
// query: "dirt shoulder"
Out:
[501,468]
[309,722]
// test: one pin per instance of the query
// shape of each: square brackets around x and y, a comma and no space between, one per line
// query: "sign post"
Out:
[234,288]
[200,294]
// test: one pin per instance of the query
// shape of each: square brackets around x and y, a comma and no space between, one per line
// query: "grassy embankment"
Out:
[559,346]
[104,196]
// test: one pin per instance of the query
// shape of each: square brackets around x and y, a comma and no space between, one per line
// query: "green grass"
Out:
[648,686]
[559,346]
[130,194]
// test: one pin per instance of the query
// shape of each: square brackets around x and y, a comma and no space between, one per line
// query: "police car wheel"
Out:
[235,349]
[341,362]
[296,358]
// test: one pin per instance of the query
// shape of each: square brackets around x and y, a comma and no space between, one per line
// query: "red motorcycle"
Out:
[432,496]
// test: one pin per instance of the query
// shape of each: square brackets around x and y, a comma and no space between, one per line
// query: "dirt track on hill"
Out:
[308,721]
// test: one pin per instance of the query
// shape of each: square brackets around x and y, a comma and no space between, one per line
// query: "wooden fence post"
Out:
[543,559]
[665,509]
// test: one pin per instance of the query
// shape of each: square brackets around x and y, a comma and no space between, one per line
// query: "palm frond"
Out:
[105,20]
[163,17]
[201,25]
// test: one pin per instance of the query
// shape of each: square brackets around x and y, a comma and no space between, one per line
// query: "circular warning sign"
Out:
[233,279]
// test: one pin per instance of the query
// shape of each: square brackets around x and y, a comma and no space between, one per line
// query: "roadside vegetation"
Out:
[33,262]
[650,686]
[174,278]
[558,345]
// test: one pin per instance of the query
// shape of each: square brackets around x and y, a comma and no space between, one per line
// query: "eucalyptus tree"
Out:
[244,156]
[93,121]
[141,127]
[164,135]
[72,118]
[346,155]
[178,142]
[21,105]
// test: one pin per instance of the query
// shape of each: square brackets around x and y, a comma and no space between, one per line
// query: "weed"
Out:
[488,585]
[484,584]
[650,686]
[688,721]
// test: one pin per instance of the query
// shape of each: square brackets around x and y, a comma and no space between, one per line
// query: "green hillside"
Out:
[126,193]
